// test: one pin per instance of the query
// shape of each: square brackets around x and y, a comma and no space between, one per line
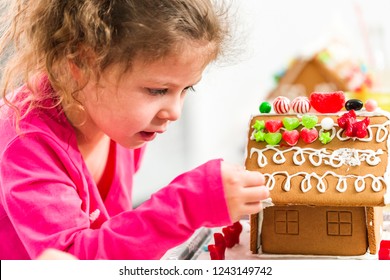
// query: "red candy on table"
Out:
[217,251]
[232,234]
[384,250]
[229,238]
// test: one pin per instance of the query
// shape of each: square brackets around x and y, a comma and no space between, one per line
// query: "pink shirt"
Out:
[49,199]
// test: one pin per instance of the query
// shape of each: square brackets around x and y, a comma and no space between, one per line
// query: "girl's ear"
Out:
[75,71]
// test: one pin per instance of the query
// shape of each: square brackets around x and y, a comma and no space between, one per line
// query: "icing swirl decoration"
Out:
[378,183]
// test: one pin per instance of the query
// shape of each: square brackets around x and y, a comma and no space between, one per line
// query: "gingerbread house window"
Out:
[339,223]
[286,222]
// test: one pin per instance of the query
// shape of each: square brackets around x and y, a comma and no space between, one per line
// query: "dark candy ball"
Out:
[354,104]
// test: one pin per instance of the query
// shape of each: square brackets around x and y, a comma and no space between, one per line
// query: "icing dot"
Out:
[371,105]
[327,123]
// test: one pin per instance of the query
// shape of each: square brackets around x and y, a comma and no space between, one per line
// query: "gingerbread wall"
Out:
[314,230]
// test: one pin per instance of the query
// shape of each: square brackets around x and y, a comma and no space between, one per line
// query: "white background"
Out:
[268,35]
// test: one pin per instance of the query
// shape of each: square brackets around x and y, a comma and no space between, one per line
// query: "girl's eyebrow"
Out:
[169,84]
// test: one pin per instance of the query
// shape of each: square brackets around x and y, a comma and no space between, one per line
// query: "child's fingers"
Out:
[255,194]
[252,208]
[253,178]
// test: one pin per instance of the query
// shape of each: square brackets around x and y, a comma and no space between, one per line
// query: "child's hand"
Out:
[243,190]
[54,254]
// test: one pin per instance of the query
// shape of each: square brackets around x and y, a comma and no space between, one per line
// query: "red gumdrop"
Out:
[327,102]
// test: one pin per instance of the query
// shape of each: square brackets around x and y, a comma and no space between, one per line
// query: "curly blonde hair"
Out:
[41,37]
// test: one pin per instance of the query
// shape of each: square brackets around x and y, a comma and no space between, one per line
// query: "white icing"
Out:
[378,183]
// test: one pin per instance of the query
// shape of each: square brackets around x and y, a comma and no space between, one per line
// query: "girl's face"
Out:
[146,98]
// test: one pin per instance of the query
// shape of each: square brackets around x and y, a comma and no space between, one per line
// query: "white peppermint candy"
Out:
[281,105]
[301,105]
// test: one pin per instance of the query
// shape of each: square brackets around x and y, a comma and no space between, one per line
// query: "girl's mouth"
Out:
[148,136]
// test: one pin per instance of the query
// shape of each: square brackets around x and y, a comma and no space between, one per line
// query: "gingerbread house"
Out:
[327,199]
[322,71]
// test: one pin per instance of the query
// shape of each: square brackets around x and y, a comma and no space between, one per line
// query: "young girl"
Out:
[88,83]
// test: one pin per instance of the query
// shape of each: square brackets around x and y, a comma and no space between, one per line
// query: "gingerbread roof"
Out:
[344,172]
[306,75]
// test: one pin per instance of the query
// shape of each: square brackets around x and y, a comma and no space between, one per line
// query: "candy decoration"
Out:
[259,136]
[217,251]
[290,123]
[346,118]
[281,105]
[309,135]
[291,137]
[327,102]
[384,250]
[265,107]
[353,104]
[352,127]
[325,138]
[232,234]
[259,125]
[301,105]
[327,123]
[309,121]
[273,138]
[371,105]
[359,129]
[273,125]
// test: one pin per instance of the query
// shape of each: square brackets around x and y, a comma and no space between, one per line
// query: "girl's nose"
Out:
[171,109]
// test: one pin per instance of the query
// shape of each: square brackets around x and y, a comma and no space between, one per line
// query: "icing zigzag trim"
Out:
[378,183]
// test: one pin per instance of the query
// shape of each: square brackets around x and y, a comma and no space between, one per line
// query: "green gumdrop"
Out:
[265,107]
[325,137]
[259,136]
[309,121]
[290,123]
[259,125]
[273,138]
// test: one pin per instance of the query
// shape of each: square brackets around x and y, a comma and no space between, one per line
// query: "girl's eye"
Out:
[157,91]
[163,91]
[190,88]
